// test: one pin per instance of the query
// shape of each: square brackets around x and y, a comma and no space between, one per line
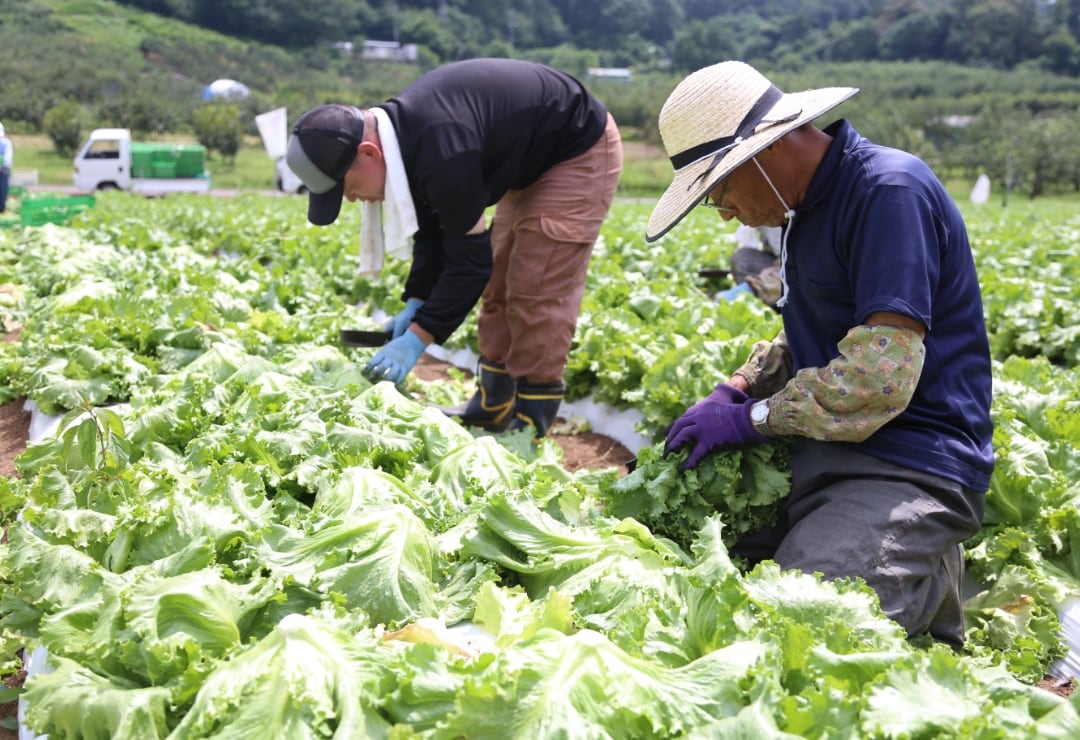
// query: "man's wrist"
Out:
[740,382]
[759,417]
[423,334]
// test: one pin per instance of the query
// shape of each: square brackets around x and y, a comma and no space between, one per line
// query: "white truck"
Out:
[273,129]
[110,160]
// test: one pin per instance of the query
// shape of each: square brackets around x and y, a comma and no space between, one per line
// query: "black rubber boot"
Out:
[537,404]
[492,406]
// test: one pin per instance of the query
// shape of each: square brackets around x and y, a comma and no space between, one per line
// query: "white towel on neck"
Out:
[387,228]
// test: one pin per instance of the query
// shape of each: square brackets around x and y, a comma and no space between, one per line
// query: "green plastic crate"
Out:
[167,160]
[50,209]
[191,161]
[163,169]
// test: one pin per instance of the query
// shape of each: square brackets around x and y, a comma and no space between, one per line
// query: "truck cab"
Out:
[110,160]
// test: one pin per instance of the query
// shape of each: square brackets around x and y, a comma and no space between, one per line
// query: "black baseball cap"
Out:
[321,149]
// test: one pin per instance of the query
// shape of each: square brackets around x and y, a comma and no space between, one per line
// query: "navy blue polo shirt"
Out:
[878,232]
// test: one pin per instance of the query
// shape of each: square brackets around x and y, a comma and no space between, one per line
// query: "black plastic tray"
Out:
[361,338]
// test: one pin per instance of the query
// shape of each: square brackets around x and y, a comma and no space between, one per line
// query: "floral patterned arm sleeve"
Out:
[868,384]
[768,369]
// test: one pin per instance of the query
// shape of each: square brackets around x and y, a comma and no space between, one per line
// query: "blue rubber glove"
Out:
[720,421]
[394,361]
[400,323]
[731,293]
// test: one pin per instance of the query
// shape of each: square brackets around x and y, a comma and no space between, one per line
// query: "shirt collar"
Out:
[845,137]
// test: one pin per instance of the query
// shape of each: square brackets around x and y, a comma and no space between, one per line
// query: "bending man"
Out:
[530,140]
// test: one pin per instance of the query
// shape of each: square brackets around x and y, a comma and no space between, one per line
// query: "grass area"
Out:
[37,153]
[251,170]
[646,170]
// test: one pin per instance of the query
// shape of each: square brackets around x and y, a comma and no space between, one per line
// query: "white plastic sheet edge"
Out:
[603,419]
[1069,665]
[41,425]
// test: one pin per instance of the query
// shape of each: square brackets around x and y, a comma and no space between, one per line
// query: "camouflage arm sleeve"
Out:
[766,285]
[868,384]
[768,368]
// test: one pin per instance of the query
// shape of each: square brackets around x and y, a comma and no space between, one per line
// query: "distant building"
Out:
[609,73]
[345,47]
[390,51]
[957,121]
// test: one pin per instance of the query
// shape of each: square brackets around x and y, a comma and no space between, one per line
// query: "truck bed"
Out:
[163,186]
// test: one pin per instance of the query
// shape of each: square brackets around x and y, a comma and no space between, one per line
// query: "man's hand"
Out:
[720,421]
[400,323]
[394,361]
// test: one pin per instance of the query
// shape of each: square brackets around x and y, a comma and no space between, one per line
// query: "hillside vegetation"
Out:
[692,33]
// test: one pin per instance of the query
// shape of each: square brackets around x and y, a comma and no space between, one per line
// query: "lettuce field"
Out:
[233,534]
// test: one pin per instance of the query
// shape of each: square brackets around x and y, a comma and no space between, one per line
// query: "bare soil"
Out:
[10,710]
[14,428]
[1063,687]
[581,450]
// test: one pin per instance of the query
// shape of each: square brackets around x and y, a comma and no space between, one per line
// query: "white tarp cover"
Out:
[226,90]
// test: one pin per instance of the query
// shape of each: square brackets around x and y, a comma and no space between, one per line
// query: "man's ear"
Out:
[368,149]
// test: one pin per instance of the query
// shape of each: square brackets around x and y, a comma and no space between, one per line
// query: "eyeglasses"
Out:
[717,205]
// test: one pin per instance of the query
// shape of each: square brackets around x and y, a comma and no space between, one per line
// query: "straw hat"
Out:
[718,118]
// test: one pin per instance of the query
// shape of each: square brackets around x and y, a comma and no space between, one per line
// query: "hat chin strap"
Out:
[789,216]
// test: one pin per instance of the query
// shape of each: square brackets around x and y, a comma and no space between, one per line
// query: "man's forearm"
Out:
[868,384]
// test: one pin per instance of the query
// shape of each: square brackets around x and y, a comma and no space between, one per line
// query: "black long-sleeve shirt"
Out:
[469,132]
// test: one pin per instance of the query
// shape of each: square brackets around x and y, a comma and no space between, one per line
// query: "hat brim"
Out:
[323,208]
[693,182]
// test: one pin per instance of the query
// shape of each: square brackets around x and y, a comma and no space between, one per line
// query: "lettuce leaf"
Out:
[73,701]
[309,678]
[383,561]
[584,686]
[744,486]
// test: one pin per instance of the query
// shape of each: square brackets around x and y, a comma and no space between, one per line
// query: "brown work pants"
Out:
[542,237]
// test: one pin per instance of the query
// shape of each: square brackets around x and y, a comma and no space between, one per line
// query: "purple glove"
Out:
[720,421]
